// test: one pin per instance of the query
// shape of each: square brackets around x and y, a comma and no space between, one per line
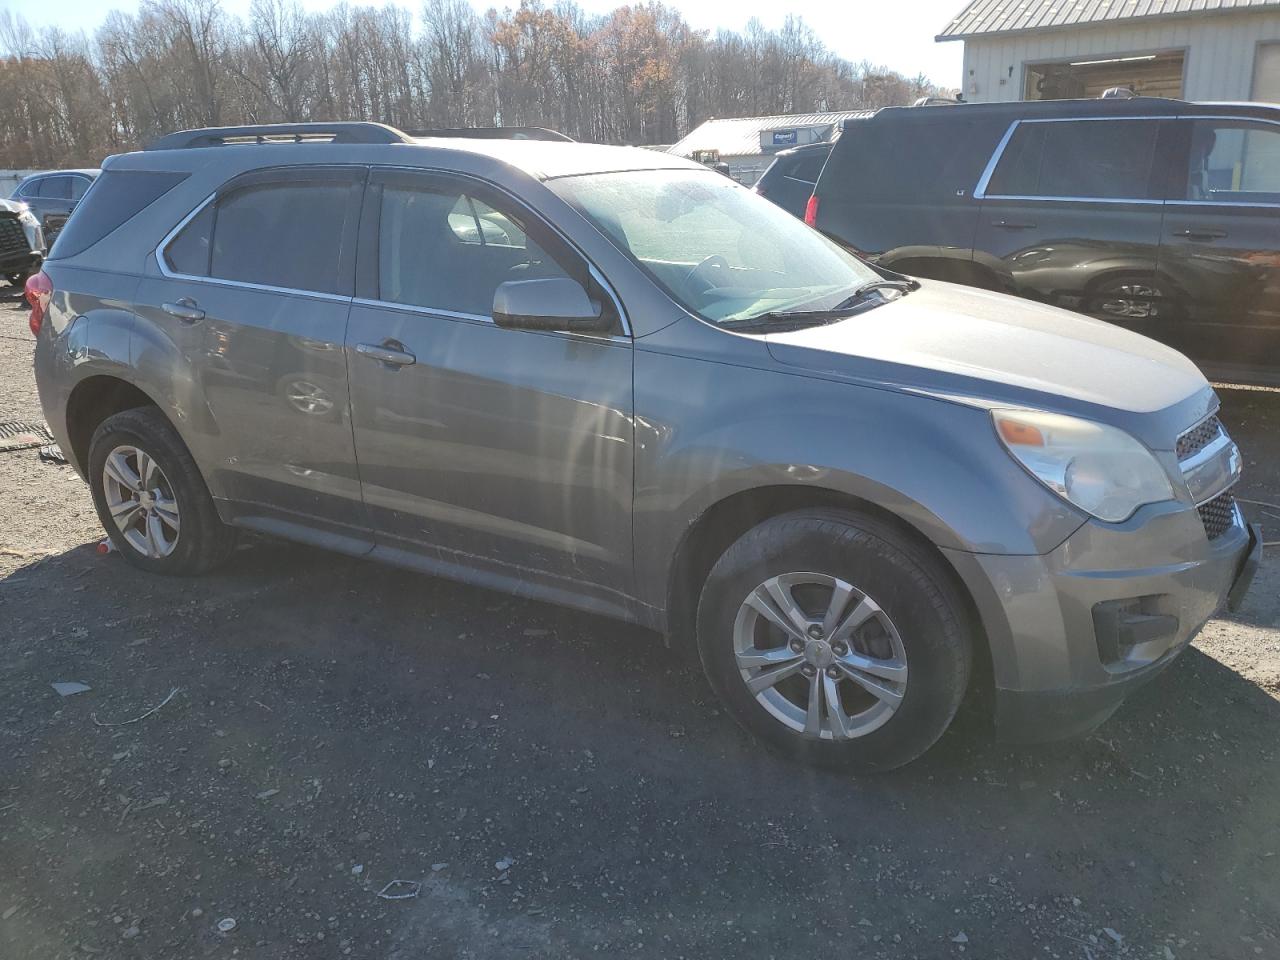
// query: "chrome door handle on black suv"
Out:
[1206,234]
[185,310]
[391,353]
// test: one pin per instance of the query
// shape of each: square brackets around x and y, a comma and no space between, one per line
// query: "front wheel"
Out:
[835,638]
[151,498]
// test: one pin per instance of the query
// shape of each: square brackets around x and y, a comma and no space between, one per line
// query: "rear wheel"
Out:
[150,496]
[835,638]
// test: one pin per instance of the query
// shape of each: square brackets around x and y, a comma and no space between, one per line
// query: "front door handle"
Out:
[386,354]
[1207,233]
[185,310]
[1013,224]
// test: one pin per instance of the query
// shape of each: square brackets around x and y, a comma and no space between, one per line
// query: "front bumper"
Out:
[1074,632]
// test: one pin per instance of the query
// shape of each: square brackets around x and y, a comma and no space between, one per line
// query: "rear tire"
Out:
[823,607]
[151,498]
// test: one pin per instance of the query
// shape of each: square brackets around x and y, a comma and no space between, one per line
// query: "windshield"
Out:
[720,250]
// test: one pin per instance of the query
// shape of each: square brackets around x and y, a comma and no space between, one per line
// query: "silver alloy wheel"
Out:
[141,501]
[820,656]
[308,397]
[1131,300]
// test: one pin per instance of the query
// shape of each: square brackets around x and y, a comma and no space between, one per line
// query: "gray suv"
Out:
[613,379]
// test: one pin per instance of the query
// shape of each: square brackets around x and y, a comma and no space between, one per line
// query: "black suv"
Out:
[1159,215]
[790,179]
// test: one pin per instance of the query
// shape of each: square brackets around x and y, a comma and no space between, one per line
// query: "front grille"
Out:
[12,239]
[1218,515]
[1198,437]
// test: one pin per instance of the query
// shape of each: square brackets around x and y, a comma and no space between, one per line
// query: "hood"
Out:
[963,343]
[12,206]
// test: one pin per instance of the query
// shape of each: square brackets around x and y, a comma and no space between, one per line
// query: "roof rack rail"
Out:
[495,133]
[340,132]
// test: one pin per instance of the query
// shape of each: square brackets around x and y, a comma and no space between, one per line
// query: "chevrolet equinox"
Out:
[616,380]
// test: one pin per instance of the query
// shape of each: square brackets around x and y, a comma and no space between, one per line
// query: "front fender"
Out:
[934,463]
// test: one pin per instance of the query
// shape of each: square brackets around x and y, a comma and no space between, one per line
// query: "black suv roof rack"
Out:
[495,133]
[340,132]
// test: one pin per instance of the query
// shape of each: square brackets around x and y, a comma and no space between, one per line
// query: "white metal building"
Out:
[747,144]
[1055,49]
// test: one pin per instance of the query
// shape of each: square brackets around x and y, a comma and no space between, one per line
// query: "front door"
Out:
[501,451]
[1071,217]
[1221,244]
[254,297]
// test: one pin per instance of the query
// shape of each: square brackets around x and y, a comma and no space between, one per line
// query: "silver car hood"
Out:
[958,342]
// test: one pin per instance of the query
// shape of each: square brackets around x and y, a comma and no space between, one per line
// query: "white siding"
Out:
[1219,53]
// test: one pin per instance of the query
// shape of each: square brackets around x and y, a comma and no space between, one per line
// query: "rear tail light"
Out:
[39,290]
[811,211]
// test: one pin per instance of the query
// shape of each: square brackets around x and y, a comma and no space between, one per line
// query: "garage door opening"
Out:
[1148,75]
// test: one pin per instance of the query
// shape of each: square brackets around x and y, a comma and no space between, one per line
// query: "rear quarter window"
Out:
[115,197]
[926,159]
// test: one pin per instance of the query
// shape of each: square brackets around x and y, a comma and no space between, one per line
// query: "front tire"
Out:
[836,639]
[151,498]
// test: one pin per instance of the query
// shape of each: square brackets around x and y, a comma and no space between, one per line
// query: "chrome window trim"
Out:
[595,272]
[1247,204]
[980,191]
[1014,196]
[163,246]
[476,318]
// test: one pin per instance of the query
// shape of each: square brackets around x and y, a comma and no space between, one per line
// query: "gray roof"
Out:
[546,159]
[741,135]
[984,17]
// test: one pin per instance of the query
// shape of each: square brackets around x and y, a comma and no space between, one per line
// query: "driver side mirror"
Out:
[555,303]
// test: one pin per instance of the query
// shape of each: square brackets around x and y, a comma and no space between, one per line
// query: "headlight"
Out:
[1102,470]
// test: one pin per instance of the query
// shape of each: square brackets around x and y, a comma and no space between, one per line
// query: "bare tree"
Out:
[639,74]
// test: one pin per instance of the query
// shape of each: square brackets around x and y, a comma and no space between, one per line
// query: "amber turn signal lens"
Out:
[1021,434]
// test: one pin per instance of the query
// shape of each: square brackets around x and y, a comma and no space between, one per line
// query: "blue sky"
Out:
[899,33]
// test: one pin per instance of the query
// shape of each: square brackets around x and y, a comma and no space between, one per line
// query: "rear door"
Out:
[1071,213]
[1221,243]
[503,451]
[255,295]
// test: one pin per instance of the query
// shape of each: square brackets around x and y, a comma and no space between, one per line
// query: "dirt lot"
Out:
[562,785]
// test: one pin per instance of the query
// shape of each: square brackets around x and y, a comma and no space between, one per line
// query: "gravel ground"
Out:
[561,785]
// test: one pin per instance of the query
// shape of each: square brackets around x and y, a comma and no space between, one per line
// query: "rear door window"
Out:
[295,234]
[1078,160]
[55,188]
[78,186]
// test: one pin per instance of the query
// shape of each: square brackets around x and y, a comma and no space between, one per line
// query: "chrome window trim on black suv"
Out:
[980,191]
[161,255]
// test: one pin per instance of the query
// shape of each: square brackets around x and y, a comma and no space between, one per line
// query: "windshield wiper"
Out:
[798,318]
[841,311]
[905,286]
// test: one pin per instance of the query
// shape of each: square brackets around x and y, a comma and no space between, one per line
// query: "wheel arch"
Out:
[91,401]
[728,518]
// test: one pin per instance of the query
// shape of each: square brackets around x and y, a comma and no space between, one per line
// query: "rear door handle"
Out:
[185,310]
[386,354]
[1013,224]
[1205,234]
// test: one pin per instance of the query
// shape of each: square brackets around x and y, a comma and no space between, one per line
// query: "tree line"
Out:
[637,75]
